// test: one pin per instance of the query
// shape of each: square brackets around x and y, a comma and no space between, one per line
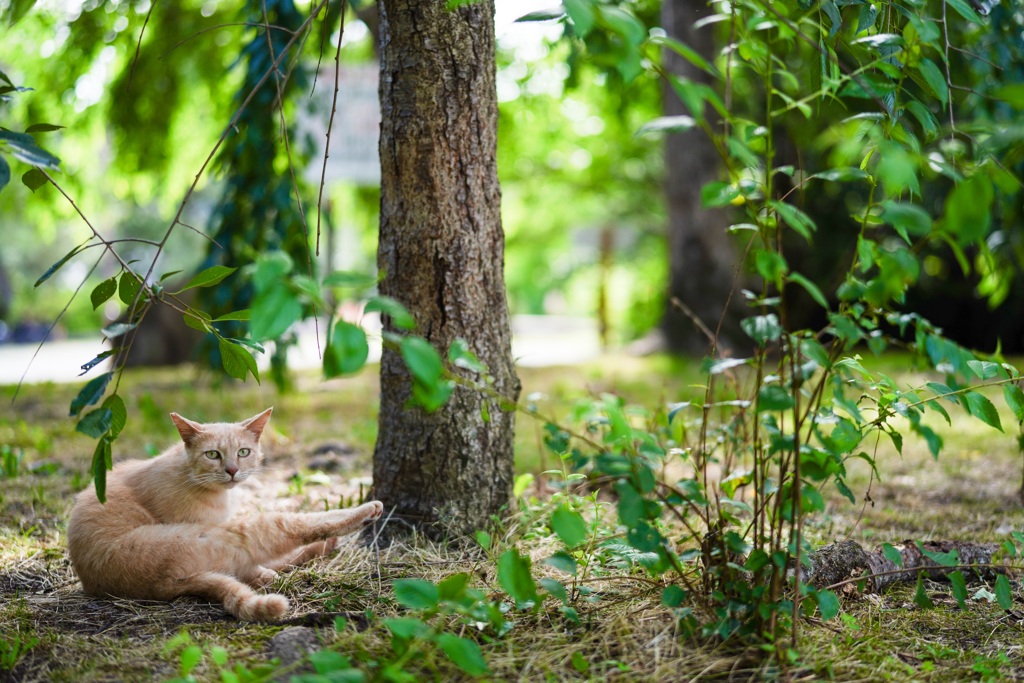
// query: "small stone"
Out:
[293,643]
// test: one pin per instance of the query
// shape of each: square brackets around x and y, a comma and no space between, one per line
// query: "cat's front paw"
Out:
[375,509]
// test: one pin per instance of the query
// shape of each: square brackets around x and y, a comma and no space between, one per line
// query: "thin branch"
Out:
[949,77]
[330,124]
[201,233]
[247,24]
[231,125]
[56,320]
[138,46]
[291,170]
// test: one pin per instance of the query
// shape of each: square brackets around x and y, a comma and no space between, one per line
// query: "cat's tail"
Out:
[239,600]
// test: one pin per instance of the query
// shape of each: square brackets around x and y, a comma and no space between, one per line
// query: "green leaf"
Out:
[57,266]
[271,269]
[115,330]
[907,218]
[1012,94]
[128,287]
[514,576]
[42,128]
[244,314]
[668,124]
[672,596]
[811,289]
[208,277]
[23,147]
[686,52]
[90,393]
[347,351]
[581,13]
[580,663]
[770,265]
[562,561]
[555,589]
[718,194]
[968,209]
[1015,400]
[762,328]
[1004,594]
[464,653]
[100,357]
[406,628]
[828,604]
[102,292]
[416,593]
[274,311]
[5,173]
[102,460]
[542,15]
[929,124]
[965,11]
[453,587]
[892,555]
[118,414]
[867,16]
[333,666]
[935,79]
[959,586]
[982,408]
[947,559]
[920,596]
[236,360]
[190,658]
[460,356]
[832,12]
[422,359]
[95,423]
[837,175]
[794,218]
[569,526]
[341,278]
[399,314]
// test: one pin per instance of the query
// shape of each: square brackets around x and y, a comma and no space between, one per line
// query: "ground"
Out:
[319,454]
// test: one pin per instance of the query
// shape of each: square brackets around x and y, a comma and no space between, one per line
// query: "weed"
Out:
[10,461]
[13,647]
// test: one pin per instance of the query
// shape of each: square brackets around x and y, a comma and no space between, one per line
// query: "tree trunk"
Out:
[702,259]
[441,252]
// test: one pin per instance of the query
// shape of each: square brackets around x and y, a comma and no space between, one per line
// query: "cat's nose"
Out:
[231,470]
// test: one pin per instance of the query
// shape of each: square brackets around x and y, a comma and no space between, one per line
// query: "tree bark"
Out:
[441,253]
[702,258]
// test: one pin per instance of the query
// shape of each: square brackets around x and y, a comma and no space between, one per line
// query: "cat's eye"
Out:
[242,452]
[212,455]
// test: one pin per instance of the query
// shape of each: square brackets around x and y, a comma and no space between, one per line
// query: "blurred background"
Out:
[592,229]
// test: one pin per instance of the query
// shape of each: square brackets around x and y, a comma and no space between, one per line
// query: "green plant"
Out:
[11,461]
[773,430]
[13,647]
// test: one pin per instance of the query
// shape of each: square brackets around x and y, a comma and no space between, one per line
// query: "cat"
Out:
[168,527]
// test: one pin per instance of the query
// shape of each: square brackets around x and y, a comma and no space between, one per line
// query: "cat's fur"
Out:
[168,527]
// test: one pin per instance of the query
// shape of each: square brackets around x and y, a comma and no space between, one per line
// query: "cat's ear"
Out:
[258,423]
[188,429]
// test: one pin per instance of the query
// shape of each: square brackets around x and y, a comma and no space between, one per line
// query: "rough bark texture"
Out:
[702,259]
[441,252]
[844,560]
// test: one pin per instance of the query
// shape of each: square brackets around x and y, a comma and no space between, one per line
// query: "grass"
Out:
[51,631]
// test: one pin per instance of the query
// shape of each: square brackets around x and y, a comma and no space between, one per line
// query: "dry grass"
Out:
[623,634]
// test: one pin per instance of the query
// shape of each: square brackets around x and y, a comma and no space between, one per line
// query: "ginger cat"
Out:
[167,528]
